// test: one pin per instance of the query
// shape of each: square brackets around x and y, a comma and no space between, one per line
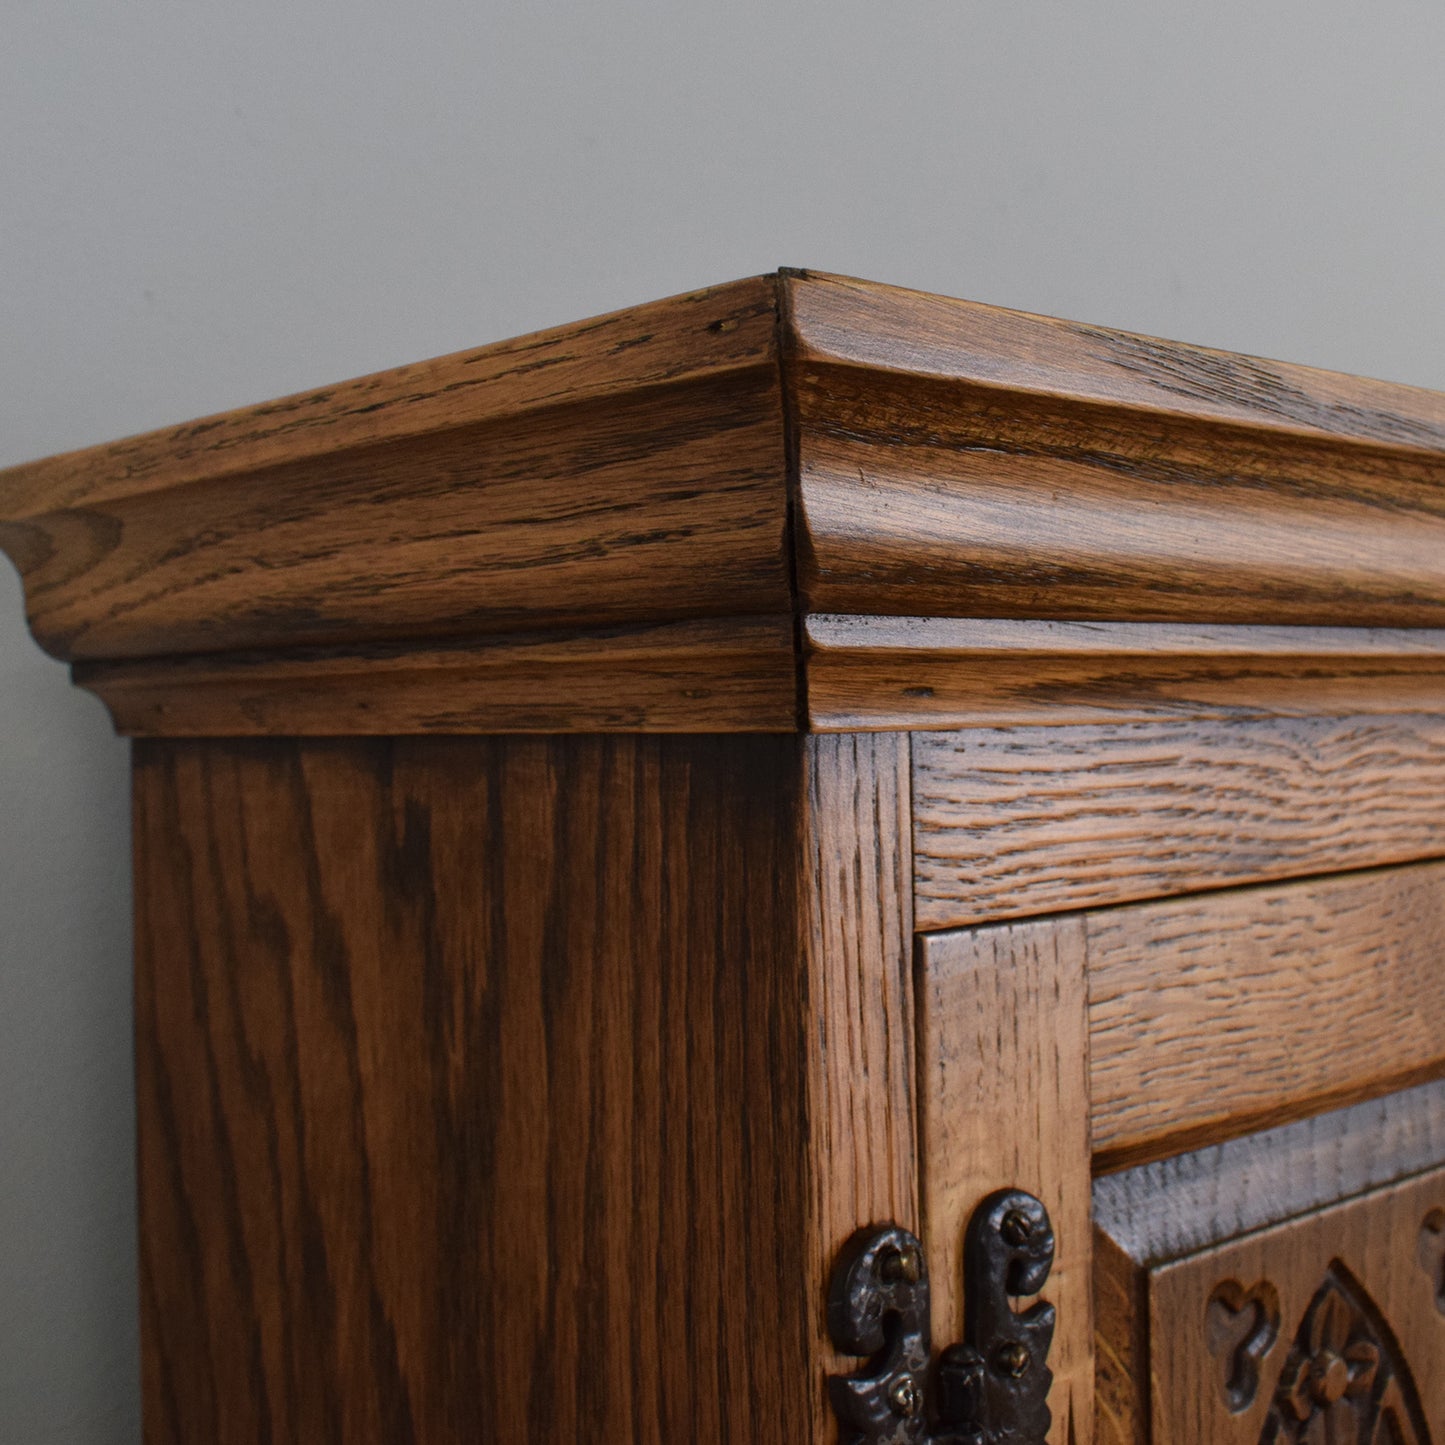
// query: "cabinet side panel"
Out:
[471,1091]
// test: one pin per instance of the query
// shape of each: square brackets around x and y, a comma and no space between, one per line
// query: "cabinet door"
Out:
[1234,1087]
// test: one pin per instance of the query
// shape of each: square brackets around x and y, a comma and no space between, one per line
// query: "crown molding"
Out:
[794,501]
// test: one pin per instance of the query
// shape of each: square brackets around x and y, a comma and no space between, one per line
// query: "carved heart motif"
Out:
[1241,1326]
[1432,1254]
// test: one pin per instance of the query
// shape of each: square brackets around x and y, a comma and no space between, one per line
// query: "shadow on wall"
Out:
[68,1303]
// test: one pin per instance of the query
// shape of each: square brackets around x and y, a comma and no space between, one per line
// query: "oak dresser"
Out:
[803,862]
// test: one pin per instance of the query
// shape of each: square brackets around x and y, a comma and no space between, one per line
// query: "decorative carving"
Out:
[1344,1381]
[1432,1254]
[990,1390]
[1241,1327]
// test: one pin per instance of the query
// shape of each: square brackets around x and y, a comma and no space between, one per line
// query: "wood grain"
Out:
[1275,1211]
[1003,1044]
[524,1088]
[626,470]
[731,674]
[1373,1240]
[930,672]
[861,1068]
[1182,1208]
[958,460]
[1212,1015]
[1176,1206]
[862,326]
[1010,822]
[703,334]
[907,475]
[512,1089]
[1121,1347]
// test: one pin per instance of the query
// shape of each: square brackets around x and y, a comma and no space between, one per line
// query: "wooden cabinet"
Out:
[643,832]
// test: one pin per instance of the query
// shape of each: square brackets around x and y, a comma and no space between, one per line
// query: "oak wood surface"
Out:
[1121,1346]
[1003,1049]
[793,445]
[930,672]
[861,1064]
[703,334]
[733,674]
[1383,1322]
[510,1089]
[959,460]
[1171,1207]
[1215,1014]
[1009,822]
[519,1088]
[624,470]
[863,326]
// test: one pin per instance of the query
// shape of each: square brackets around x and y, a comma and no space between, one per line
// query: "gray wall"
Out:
[205,205]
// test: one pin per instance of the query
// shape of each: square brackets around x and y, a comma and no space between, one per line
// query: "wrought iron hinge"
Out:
[990,1390]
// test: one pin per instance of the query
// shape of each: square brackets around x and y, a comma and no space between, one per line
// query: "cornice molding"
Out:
[796,501]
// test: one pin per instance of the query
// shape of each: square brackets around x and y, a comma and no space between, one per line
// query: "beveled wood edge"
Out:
[739,675]
[730,327]
[688,337]
[1172,1207]
[713,675]
[922,673]
[844,321]
[619,528]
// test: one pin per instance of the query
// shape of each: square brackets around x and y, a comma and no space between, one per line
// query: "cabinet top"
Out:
[784,502]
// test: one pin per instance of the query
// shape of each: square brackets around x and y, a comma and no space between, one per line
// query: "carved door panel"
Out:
[1326,1328]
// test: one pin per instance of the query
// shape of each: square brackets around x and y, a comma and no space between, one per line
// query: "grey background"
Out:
[203,205]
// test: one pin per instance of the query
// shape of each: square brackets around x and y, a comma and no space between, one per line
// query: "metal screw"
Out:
[905,1397]
[901,1266]
[1016,1228]
[1013,1359]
